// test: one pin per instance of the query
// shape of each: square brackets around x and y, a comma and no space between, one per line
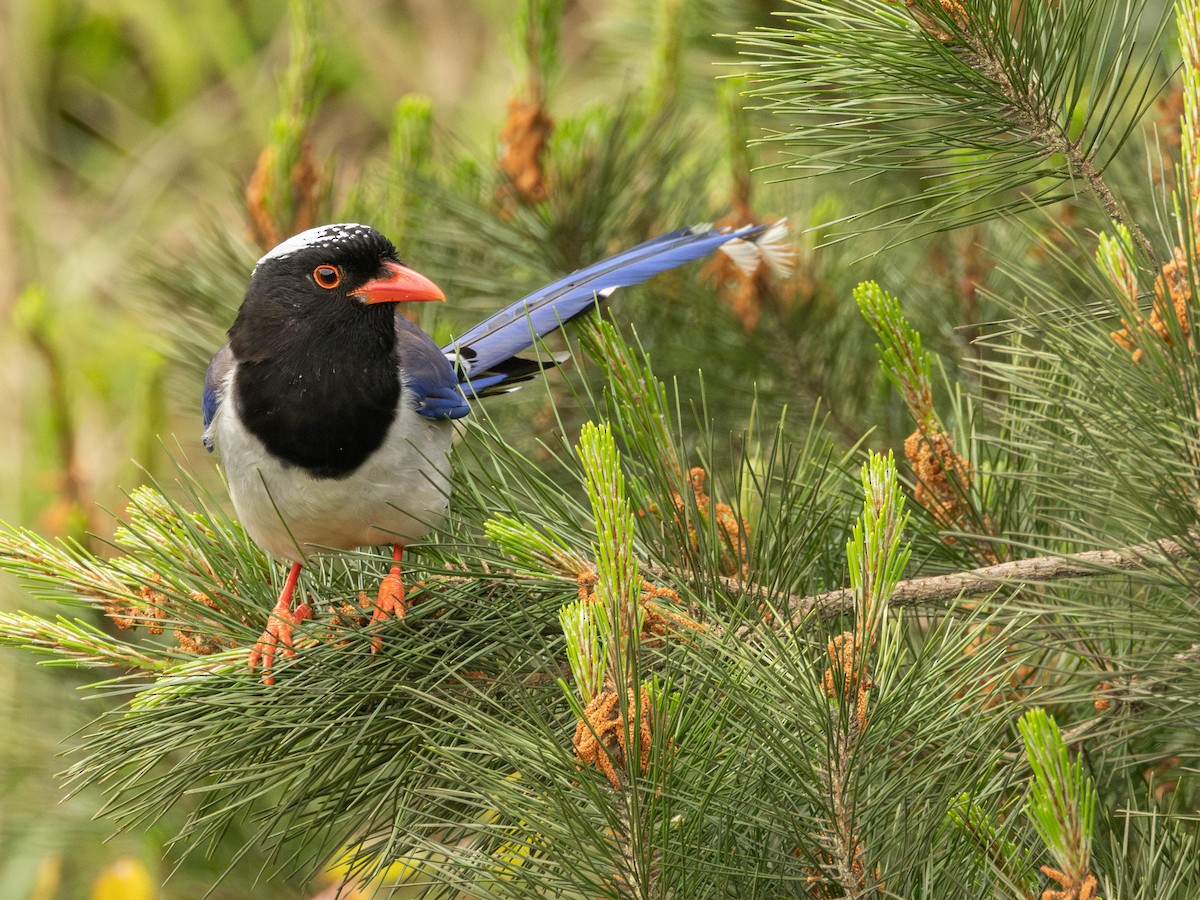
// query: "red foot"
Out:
[277,638]
[280,627]
[390,601]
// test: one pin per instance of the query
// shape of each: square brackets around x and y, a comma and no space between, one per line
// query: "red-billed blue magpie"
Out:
[334,413]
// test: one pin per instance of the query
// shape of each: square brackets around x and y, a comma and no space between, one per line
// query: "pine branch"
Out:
[1030,112]
[1061,806]
[876,554]
[845,848]
[74,643]
[985,580]
[1130,691]
[1008,119]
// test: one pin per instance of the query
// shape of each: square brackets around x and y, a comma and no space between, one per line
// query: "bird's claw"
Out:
[390,602]
[277,638]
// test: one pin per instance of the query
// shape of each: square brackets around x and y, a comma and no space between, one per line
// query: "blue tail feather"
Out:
[498,338]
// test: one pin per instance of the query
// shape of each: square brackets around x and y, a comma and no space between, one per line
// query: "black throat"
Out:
[320,390]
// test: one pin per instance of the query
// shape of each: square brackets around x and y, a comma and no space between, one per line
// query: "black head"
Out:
[326,277]
[315,343]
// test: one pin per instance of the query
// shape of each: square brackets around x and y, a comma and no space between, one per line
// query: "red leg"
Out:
[390,601]
[280,625]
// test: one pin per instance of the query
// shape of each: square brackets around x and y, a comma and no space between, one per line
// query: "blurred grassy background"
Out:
[128,132]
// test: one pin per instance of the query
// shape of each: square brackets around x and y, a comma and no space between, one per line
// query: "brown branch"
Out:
[971,583]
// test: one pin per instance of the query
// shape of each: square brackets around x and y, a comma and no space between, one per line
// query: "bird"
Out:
[334,414]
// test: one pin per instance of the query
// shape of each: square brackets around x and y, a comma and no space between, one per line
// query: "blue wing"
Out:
[485,356]
[214,390]
[428,379]
[439,402]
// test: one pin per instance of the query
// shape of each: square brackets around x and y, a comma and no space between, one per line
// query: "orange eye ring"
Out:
[327,277]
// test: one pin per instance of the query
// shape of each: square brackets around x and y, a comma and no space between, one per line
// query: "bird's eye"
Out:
[327,277]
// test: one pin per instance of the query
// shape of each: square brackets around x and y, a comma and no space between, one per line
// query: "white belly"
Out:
[396,496]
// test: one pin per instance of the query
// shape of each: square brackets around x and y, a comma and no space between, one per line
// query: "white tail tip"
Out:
[772,247]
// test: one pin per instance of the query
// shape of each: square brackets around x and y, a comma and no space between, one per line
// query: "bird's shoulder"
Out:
[427,375]
[215,379]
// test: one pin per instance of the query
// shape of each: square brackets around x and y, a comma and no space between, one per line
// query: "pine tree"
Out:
[682,644]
